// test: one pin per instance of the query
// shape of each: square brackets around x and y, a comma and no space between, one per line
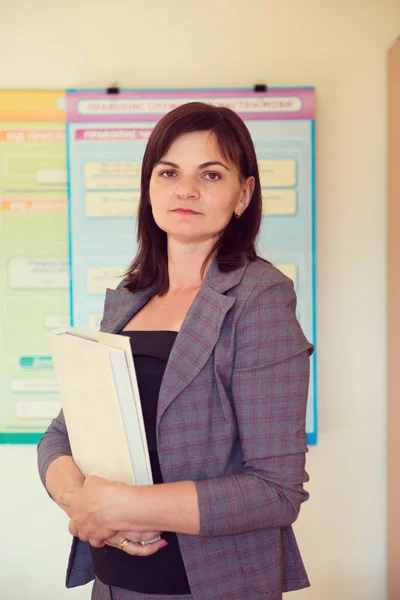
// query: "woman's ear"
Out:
[246,195]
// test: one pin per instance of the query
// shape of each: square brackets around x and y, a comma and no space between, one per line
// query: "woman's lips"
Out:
[185,211]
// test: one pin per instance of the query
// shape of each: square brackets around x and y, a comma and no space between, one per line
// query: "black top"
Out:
[163,572]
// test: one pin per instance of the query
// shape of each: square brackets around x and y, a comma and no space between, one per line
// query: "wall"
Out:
[339,47]
[393,324]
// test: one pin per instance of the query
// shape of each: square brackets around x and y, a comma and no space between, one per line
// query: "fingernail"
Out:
[164,544]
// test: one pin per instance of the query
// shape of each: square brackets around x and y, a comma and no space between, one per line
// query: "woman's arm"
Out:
[174,507]
[62,476]
[101,508]
[57,469]
[269,392]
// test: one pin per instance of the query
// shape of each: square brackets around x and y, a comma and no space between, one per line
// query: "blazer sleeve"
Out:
[53,444]
[269,393]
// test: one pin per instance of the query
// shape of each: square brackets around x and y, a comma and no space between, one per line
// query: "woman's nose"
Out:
[187,188]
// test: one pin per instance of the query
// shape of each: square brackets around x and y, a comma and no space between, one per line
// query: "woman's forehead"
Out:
[196,144]
[205,141]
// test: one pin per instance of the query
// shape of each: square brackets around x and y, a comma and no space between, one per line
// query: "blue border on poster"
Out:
[71,281]
[312,436]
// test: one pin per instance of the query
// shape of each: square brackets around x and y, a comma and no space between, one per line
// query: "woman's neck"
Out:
[184,265]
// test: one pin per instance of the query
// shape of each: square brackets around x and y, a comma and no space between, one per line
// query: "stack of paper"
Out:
[100,399]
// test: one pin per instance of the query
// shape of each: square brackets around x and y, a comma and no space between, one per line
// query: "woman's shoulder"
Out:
[262,273]
[258,273]
[260,282]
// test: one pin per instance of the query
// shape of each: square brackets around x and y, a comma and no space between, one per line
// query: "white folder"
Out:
[99,395]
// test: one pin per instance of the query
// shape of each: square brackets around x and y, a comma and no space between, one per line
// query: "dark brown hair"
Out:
[237,240]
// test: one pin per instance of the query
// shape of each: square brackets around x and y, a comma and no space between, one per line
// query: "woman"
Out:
[223,369]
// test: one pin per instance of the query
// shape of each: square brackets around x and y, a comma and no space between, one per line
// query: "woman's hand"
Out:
[128,541]
[95,509]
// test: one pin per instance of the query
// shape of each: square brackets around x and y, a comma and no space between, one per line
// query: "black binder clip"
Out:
[113,89]
[260,86]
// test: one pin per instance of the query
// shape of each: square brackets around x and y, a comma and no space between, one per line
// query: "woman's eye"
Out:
[213,176]
[168,174]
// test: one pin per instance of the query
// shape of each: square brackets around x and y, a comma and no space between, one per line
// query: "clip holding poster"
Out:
[113,88]
[260,86]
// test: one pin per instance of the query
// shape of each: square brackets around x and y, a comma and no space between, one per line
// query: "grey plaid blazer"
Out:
[231,417]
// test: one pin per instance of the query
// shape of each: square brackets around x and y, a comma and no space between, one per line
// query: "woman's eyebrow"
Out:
[202,166]
[168,163]
[212,162]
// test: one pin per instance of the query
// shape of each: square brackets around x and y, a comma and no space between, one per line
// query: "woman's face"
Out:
[194,190]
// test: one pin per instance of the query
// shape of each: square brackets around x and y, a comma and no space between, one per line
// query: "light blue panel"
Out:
[97,242]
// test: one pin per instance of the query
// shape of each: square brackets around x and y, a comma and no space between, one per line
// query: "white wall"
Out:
[340,47]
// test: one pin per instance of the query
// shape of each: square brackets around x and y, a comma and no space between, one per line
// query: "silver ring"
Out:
[156,539]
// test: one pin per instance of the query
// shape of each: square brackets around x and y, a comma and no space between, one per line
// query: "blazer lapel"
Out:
[193,345]
[198,334]
[120,305]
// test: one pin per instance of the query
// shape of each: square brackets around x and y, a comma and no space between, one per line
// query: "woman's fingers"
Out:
[84,532]
[137,536]
[136,549]
[73,529]
[132,536]
[96,543]
[129,542]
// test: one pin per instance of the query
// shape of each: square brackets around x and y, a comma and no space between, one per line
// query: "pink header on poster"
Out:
[276,104]
[109,135]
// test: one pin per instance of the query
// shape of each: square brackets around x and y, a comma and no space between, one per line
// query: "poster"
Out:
[107,135]
[34,277]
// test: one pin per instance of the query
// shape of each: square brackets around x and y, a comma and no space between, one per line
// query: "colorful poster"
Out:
[107,135]
[34,277]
